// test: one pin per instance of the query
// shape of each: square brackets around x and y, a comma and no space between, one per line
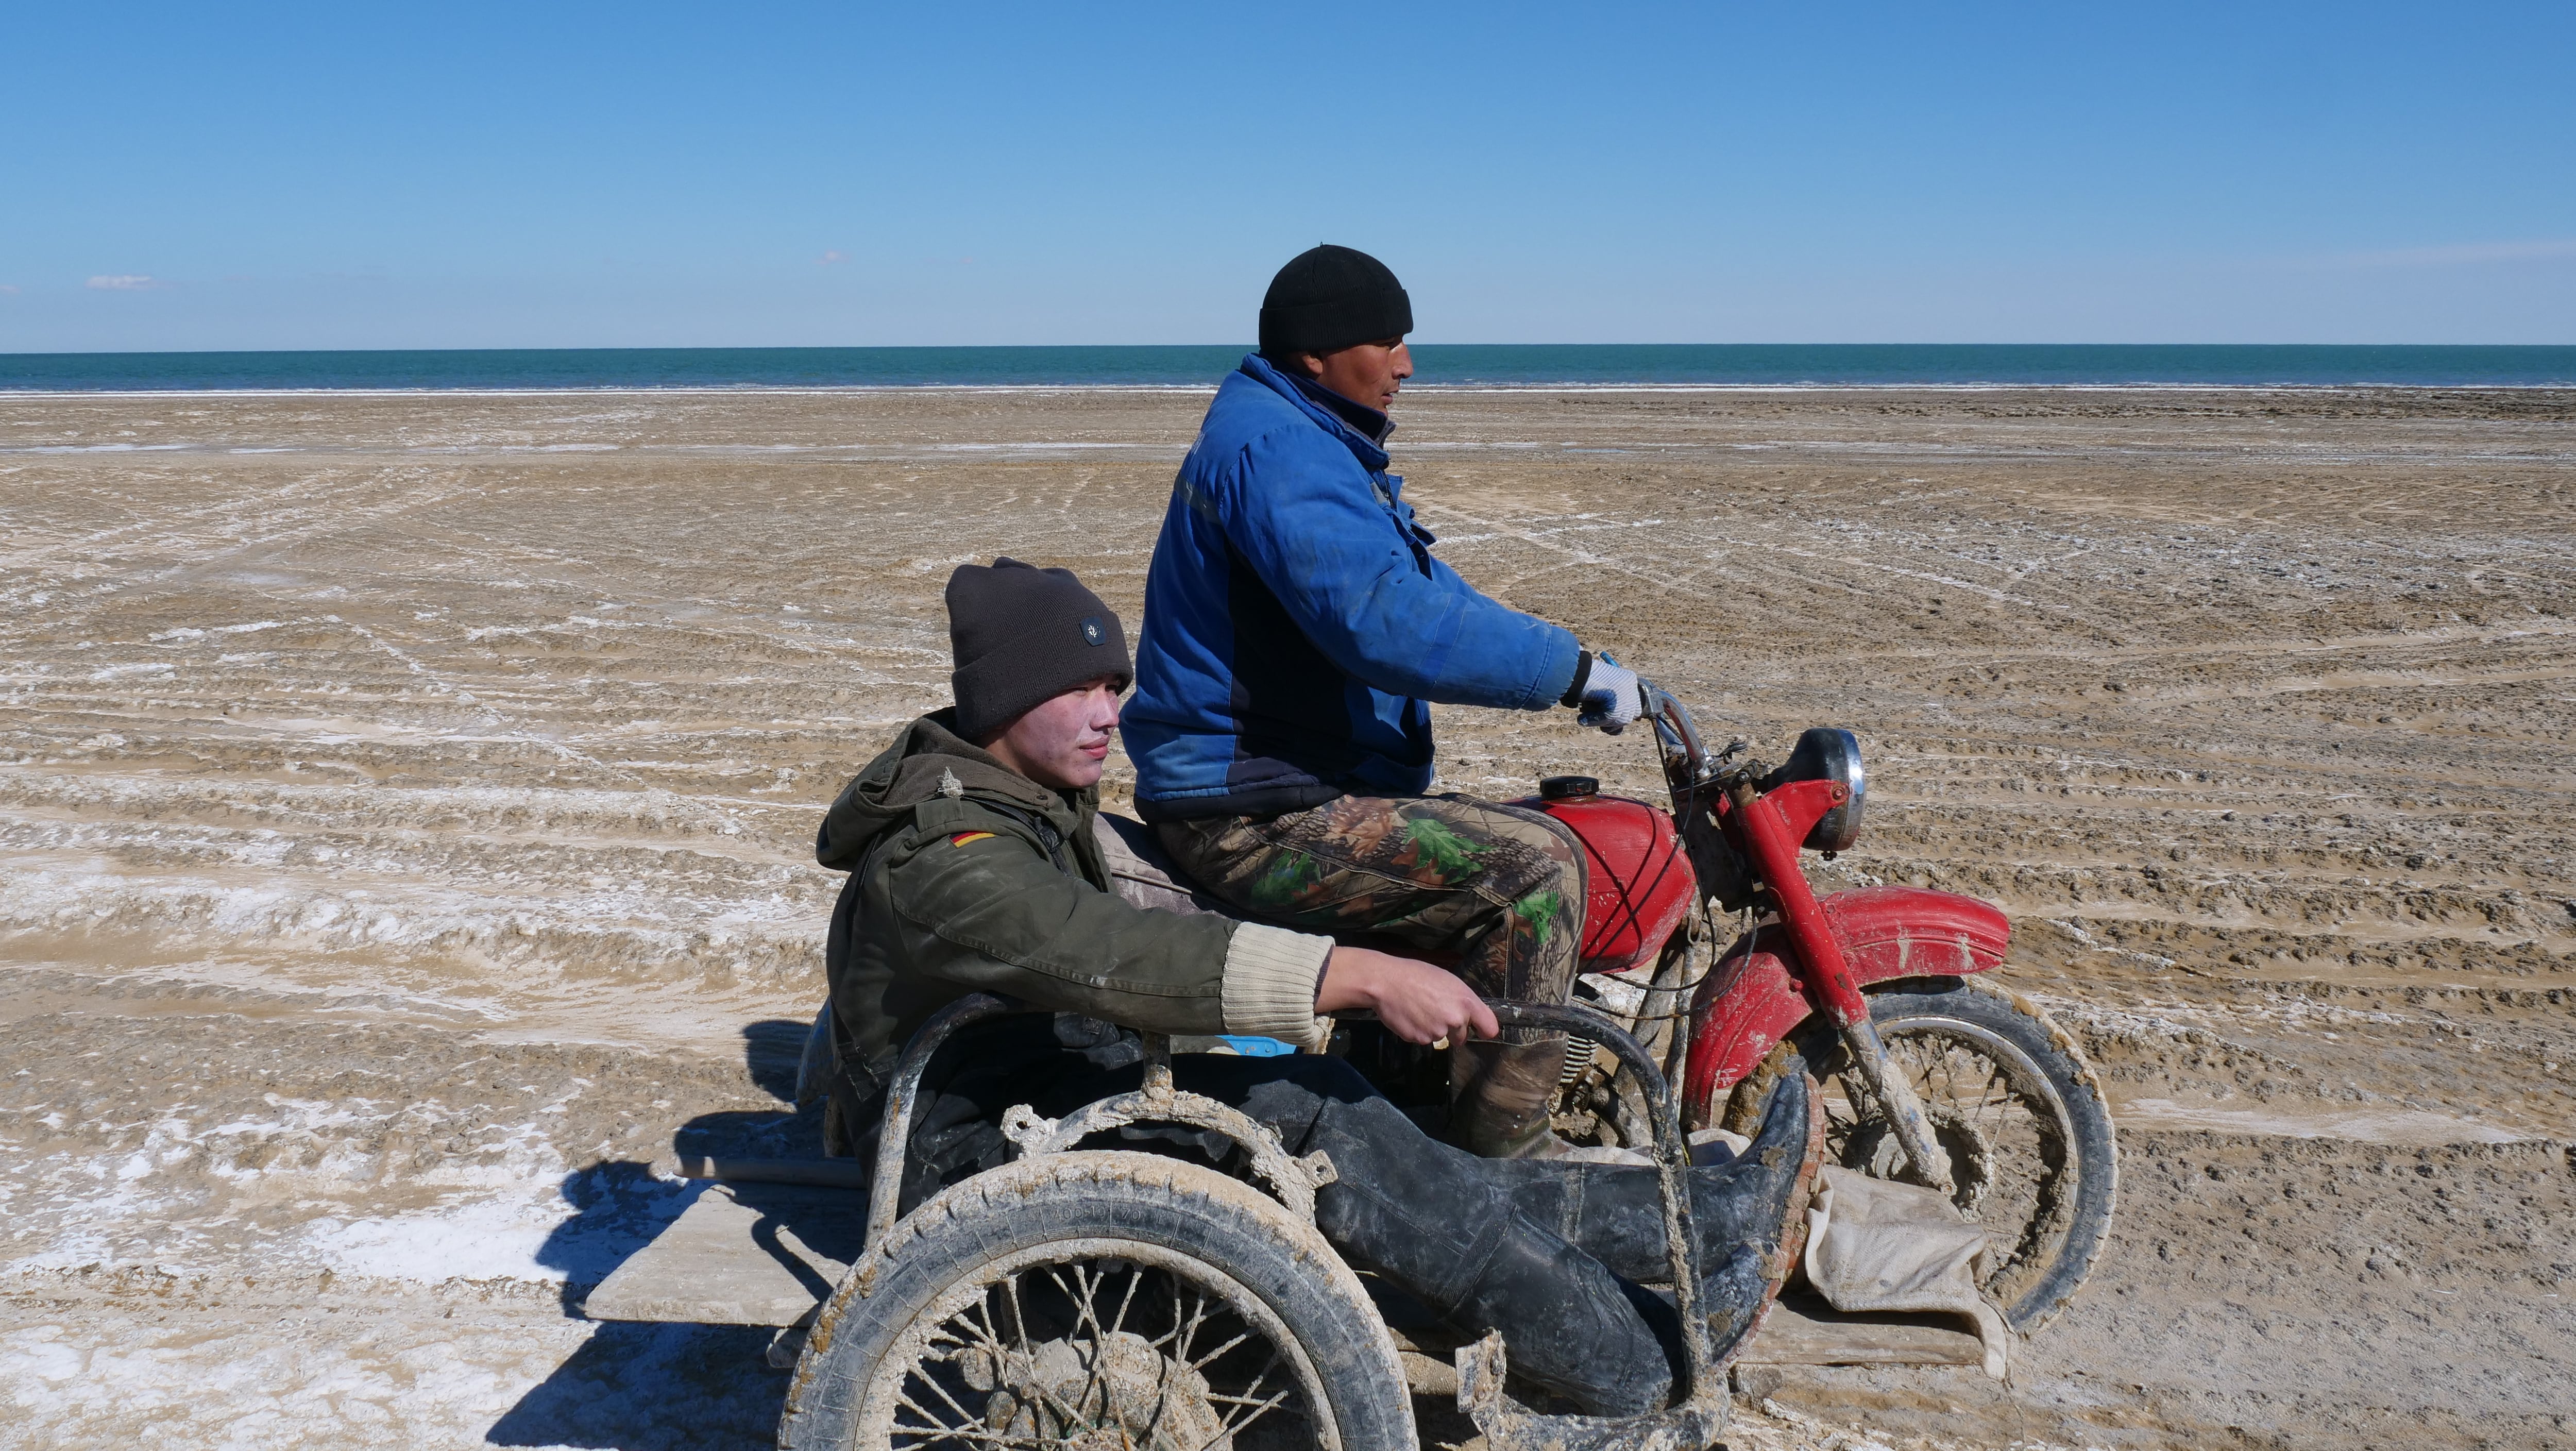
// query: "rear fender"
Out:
[1752,998]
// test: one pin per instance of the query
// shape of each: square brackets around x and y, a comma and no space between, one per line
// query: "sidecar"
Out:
[1088,1296]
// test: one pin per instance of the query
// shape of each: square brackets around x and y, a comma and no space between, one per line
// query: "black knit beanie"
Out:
[1330,298]
[1018,634]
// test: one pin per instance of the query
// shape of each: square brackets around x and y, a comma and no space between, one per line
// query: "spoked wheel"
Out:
[1114,1341]
[2029,1141]
[1100,1302]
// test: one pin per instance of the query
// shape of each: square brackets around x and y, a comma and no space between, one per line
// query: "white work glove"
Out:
[1610,696]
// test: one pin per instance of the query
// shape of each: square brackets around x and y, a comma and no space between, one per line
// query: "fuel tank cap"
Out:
[1567,788]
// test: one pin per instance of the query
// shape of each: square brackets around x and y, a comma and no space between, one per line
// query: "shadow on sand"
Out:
[678,1387]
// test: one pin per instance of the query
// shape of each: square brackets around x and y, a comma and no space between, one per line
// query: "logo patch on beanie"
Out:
[1094,632]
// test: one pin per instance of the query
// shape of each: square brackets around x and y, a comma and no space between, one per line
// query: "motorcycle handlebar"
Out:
[1685,759]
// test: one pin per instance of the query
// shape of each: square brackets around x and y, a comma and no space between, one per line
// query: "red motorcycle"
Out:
[1931,1075]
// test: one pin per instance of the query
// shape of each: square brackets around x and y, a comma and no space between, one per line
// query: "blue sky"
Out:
[563,175]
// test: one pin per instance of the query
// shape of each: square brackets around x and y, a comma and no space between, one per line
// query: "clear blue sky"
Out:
[557,175]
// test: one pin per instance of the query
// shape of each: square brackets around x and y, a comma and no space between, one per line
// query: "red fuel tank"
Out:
[1641,883]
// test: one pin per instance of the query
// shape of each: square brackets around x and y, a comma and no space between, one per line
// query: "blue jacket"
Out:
[1297,625]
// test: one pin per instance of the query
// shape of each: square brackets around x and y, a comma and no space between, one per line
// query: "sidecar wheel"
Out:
[2022,1119]
[1099,1299]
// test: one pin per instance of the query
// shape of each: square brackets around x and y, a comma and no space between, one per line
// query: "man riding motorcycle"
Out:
[1297,628]
[974,868]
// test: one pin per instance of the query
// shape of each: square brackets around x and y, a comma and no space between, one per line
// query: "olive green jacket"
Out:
[968,877]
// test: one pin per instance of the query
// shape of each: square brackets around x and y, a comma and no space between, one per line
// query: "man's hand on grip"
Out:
[1418,1002]
[1610,696]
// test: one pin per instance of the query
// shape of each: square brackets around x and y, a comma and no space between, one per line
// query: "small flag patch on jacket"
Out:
[963,837]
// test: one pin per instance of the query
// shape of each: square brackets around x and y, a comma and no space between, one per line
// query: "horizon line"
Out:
[1246,347]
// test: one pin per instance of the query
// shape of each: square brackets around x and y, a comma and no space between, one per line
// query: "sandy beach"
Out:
[406,805]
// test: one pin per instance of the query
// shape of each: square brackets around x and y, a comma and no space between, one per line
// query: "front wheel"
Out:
[1099,1299]
[2014,1106]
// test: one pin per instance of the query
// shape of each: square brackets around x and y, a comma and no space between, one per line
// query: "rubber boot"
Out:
[1500,1093]
[1434,1221]
[1745,1210]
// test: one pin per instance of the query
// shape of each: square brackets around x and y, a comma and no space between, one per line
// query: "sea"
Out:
[1461,365]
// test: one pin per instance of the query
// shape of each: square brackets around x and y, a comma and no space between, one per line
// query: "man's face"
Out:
[1062,741]
[1369,373]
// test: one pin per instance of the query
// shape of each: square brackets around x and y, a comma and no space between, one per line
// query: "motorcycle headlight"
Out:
[1828,753]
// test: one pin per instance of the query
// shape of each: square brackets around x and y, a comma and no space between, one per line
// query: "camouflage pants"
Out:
[1499,886]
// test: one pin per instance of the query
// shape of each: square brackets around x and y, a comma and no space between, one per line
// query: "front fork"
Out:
[1774,848]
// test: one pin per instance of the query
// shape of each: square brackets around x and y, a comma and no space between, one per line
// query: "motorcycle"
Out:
[1931,1075]
[1085,1297]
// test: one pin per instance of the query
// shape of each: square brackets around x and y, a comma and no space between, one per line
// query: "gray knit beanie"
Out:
[1018,634]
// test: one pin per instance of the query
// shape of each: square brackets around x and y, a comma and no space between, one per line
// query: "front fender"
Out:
[1752,998]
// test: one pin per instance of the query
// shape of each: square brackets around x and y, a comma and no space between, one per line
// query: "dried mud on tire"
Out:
[406,806]
[1093,1206]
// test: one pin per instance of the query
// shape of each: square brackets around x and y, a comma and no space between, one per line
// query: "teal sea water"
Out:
[1491,364]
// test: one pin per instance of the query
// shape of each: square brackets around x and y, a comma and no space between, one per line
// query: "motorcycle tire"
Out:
[2013,1102]
[1095,1298]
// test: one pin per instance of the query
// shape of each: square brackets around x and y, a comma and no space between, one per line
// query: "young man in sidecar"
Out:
[1297,629]
[975,868]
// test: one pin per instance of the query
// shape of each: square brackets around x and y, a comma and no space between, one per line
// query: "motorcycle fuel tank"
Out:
[1640,881]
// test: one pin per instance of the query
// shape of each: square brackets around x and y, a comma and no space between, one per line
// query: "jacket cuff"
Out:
[1573,696]
[1566,661]
[1271,978]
